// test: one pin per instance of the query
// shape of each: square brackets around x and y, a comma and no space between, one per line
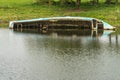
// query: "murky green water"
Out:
[66,55]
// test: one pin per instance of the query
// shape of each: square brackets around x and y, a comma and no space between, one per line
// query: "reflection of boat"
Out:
[61,23]
[107,32]
[78,33]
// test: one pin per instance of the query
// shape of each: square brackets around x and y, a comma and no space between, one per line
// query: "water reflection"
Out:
[61,39]
[93,33]
[74,55]
[59,55]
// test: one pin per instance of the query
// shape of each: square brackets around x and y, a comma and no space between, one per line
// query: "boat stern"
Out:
[108,26]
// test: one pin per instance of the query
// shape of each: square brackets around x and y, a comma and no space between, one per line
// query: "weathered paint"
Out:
[106,25]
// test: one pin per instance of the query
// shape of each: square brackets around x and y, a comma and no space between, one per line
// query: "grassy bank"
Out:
[26,9]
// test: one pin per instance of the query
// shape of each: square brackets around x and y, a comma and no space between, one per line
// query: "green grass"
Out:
[26,9]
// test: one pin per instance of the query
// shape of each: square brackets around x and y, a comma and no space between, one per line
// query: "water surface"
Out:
[59,55]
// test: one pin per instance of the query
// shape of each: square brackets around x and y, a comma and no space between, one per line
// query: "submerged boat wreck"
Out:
[61,23]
